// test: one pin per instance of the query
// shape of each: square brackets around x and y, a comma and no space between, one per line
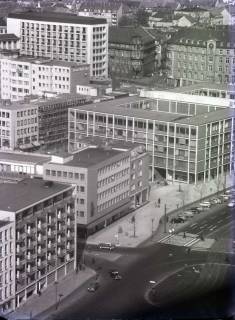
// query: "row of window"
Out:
[113,178]
[65,174]
[113,201]
[116,188]
[113,166]
[26,112]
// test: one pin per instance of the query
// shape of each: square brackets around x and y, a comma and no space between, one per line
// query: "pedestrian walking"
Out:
[155,204]
[159,202]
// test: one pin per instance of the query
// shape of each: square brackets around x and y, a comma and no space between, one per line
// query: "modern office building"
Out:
[18,126]
[184,145]
[111,11]
[63,37]
[201,55]
[24,76]
[43,235]
[131,52]
[109,181]
[7,265]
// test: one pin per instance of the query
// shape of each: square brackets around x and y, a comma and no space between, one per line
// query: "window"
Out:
[82,213]
[82,201]
[82,189]
[82,176]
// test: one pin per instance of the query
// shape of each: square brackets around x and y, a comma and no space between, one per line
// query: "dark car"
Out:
[114,274]
[177,220]
[93,286]
[194,210]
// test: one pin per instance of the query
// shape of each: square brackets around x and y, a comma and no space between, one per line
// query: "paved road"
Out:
[126,298]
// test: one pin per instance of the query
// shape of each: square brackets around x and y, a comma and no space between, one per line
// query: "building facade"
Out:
[44,234]
[112,12]
[131,52]
[177,141]
[63,37]
[196,56]
[24,76]
[7,266]
[18,126]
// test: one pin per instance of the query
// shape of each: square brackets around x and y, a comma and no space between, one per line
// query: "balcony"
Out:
[61,254]
[31,246]
[30,259]
[20,252]
[20,265]
[60,244]
[70,237]
[31,271]
[70,249]
[42,265]
[41,240]
[20,279]
[51,222]
[20,239]
[61,231]
[51,235]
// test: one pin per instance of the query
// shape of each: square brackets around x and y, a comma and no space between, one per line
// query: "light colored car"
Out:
[216,201]
[182,216]
[93,286]
[107,246]
[205,204]
[224,197]
[188,214]
[231,204]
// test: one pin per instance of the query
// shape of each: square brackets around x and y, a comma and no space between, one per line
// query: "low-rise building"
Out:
[24,76]
[3,26]
[43,234]
[18,126]
[9,41]
[131,52]
[7,265]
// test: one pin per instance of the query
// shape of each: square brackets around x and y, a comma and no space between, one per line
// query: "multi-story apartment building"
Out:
[131,52]
[43,234]
[111,11]
[197,55]
[63,37]
[18,126]
[184,145]
[7,265]
[24,76]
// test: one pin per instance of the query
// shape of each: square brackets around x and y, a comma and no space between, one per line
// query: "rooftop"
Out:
[91,156]
[8,37]
[213,116]
[5,105]
[23,157]
[57,17]
[17,196]
[205,85]
[126,35]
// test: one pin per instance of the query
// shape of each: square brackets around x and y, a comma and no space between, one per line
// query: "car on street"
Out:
[194,210]
[106,246]
[182,216]
[216,201]
[200,209]
[115,275]
[224,197]
[93,286]
[205,204]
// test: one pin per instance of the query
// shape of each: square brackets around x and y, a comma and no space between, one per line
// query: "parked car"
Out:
[215,201]
[231,204]
[93,286]
[200,209]
[114,274]
[224,197]
[107,246]
[194,210]
[177,220]
[182,216]
[188,214]
[205,204]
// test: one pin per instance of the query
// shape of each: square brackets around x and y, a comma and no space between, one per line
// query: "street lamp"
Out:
[152,220]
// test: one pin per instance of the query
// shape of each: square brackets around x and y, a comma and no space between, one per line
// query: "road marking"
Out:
[193,225]
[191,242]
[165,238]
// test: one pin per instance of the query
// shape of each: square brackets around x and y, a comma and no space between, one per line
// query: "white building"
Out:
[63,37]
[7,265]
[18,126]
[28,76]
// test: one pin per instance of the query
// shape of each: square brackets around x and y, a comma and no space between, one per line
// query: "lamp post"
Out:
[152,220]
[165,218]
[56,293]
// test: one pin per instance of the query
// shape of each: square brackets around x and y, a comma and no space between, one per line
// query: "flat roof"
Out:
[57,17]
[105,107]
[3,223]
[24,157]
[205,85]
[208,117]
[184,97]
[16,105]
[47,61]
[91,156]
[17,196]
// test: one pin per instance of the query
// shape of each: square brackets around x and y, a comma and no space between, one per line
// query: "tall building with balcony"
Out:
[43,234]
[18,126]
[25,76]
[201,55]
[7,265]
[131,52]
[63,37]
[184,143]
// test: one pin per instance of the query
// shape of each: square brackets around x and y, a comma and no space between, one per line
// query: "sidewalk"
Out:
[36,305]
[126,233]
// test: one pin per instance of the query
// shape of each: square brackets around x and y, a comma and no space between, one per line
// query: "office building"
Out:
[111,11]
[18,126]
[63,37]
[24,76]
[43,236]
[184,145]
[108,183]
[201,55]
[7,265]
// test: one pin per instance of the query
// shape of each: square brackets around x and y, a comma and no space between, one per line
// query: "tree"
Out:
[126,21]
